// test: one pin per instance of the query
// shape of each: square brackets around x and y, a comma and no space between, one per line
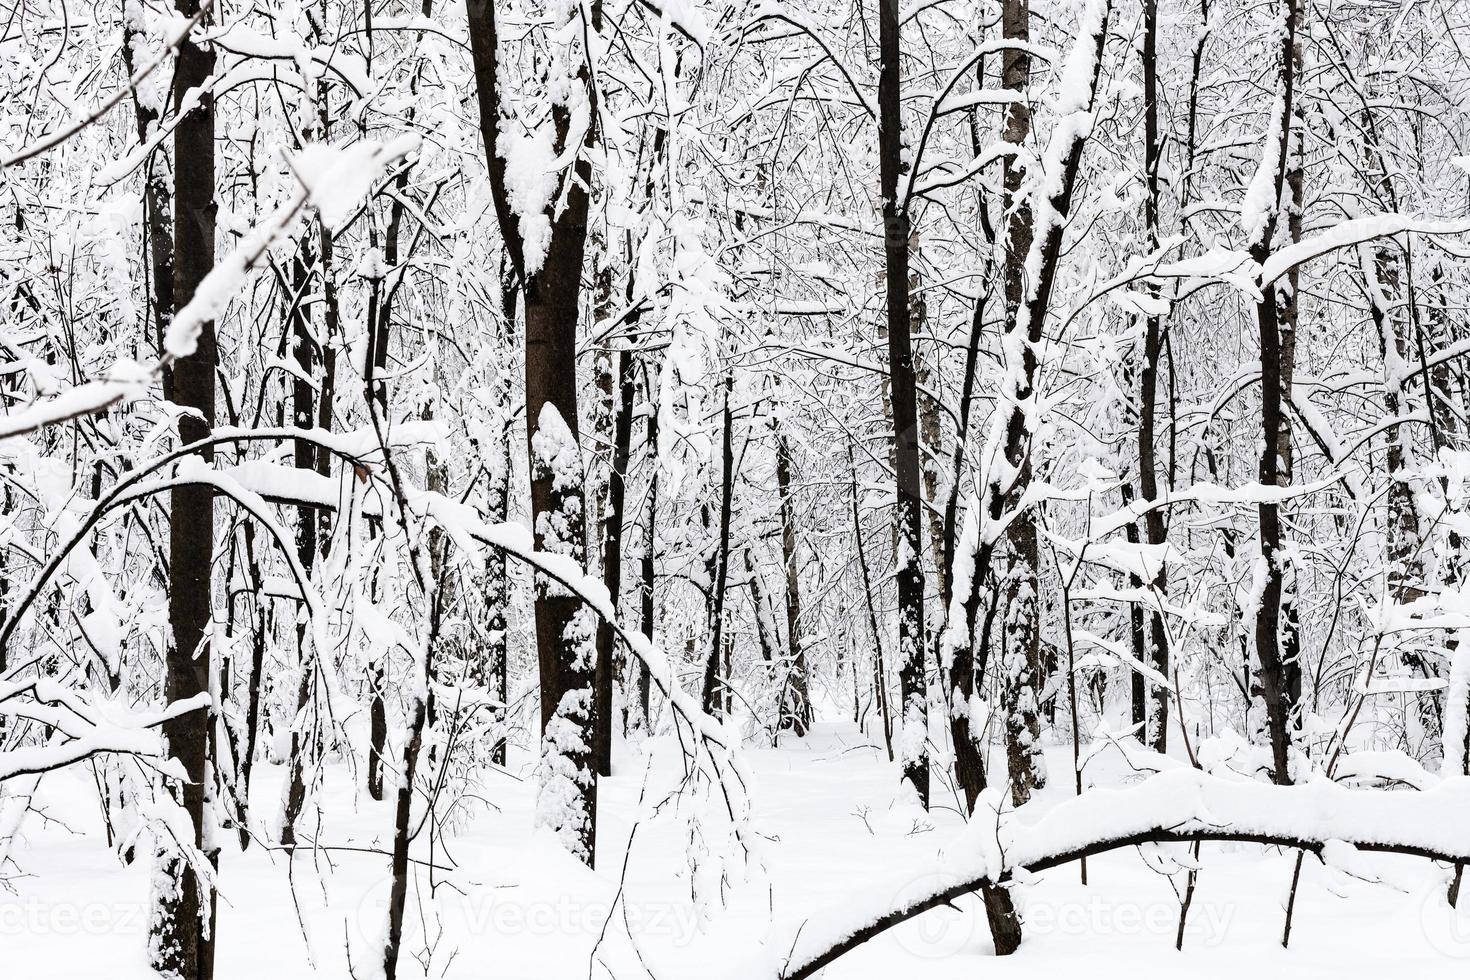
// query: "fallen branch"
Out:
[1178,806]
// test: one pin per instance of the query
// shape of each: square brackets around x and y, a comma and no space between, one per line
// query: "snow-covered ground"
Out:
[503,901]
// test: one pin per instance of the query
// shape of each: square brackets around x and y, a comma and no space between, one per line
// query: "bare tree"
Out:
[181,938]
[1280,676]
[908,562]
[551,287]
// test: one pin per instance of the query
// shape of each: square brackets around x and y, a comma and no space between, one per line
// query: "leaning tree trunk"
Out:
[182,937]
[380,326]
[1020,676]
[304,413]
[908,562]
[880,673]
[1027,302]
[958,660]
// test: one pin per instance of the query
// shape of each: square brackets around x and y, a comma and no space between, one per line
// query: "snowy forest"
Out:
[761,489]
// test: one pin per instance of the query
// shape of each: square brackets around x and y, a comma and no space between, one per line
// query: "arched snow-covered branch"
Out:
[1180,805]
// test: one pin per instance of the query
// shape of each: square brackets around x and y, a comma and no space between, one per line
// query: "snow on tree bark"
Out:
[180,933]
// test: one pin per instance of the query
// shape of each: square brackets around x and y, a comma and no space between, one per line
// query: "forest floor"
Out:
[515,906]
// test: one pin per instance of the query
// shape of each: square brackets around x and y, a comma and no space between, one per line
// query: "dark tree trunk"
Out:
[722,554]
[930,428]
[798,706]
[612,559]
[967,400]
[156,197]
[380,323]
[182,941]
[1277,688]
[495,665]
[909,567]
[260,627]
[551,297]
[402,820]
[880,685]
[1156,641]
[1020,675]
[1137,626]
[304,414]
[648,606]
[958,660]
[1289,302]
[1027,304]
[565,639]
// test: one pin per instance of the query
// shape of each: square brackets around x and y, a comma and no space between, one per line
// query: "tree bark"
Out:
[1004,498]
[909,568]
[1020,673]
[1277,689]
[182,941]
[798,707]
[551,298]
[648,607]
[1156,652]
[1137,623]
[880,684]
[380,328]
[496,666]
[156,197]
[304,414]
[612,560]
[496,663]
[722,554]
